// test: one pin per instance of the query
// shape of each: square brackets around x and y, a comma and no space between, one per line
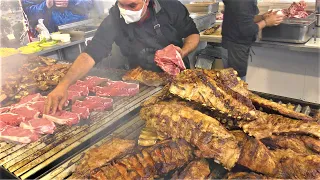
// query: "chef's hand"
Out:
[49,3]
[180,51]
[274,19]
[56,99]
[61,3]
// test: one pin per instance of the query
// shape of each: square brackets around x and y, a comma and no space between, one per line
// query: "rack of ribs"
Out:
[147,163]
[270,124]
[292,165]
[199,86]
[101,155]
[197,169]
[178,121]
[148,78]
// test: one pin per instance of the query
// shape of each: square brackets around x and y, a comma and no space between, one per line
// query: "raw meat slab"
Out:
[82,111]
[11,119]
[83,90]
[27,112]
[63,118]
[41,126]
[117,88]
[95,103]
[18,135]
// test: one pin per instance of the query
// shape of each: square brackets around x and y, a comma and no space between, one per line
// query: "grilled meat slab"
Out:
[199,86]
[178,121]
[101,155]
[197,169]
[296,143]
[246,175]
[147,163]
[279,108]
[148,78]
[254,154]
[270,124]
[292,165]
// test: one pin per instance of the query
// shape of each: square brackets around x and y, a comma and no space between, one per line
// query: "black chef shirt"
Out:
[238,22]
[172,15]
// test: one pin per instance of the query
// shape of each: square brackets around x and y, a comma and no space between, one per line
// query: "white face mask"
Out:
[131,16]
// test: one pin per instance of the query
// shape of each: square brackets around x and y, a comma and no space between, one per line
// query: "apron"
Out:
[141,53]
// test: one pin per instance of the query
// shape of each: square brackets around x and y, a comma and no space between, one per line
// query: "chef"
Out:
[241,24]
[139,28]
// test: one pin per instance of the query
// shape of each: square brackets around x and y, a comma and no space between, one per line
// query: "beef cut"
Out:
[30,98]
[5,109]
[27,112]
[95,103]
[37,105]
[82,111]
[2,125]
[41,126]
[296,10]
[63,118]
[83,90]
[73,95]
[11,119]
[169,60]
[18,135]
[117,88]
[92,81]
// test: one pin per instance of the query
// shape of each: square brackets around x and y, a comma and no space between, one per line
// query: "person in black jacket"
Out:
[139,28]
[241,25]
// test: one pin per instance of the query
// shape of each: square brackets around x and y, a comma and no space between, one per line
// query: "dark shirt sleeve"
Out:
[245,19]
[101,44]
[183,23]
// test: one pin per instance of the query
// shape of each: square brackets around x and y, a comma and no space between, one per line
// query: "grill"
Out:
[31,160]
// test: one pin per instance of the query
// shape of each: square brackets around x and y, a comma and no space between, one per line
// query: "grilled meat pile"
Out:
[148,78]
[38,74]
[280,145]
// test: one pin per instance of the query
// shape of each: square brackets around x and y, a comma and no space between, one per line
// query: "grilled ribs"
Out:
[270,124]
[279,108]
[148,78]
[296,143]
[197,169]
[254,155]
[292,165]
[200,86]
[147,163]
[178,121]
[246,175]
[101,155]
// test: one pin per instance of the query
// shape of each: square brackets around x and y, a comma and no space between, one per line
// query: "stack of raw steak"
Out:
[296,10]
[24,121]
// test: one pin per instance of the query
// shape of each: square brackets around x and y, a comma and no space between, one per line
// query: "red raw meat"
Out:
[2,125]
[38,105]
[18,135]
[41,126]
[83,90]
[73,95]
[82,111]
[296,10]
[5,109]
[92,81]
[11,119]
[27,112]
[44,98]
[63,117]
[169,60]
[95,103]
[30,98]
[117,88]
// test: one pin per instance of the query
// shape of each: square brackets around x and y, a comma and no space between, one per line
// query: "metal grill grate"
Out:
[28,160]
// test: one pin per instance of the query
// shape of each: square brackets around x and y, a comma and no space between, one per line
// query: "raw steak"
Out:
[117,88]
[30,98]
[296,10]
[38,105]
[92,81]
[5,109]
[95,103]
[2,125]
[64,117]
[11,119]
[27,112]
[169,60]
[73,95]
[83,90]
[82,111]
[18,135]
[41,126]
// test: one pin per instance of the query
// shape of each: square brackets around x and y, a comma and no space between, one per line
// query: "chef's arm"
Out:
[259,18]
[190,43]
[79,68]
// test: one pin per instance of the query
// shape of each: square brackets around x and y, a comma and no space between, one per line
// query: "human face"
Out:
[134,5]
